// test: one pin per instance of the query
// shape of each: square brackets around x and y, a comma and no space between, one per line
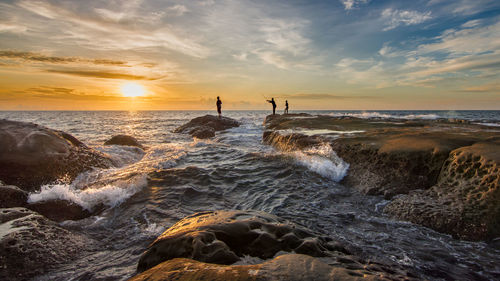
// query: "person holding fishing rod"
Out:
[271,101]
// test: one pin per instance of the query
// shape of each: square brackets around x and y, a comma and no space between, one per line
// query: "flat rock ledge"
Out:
[206,241]
[33,155]
[447,170]
[205,126]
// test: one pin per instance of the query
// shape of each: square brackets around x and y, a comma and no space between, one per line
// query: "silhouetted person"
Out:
[286,107]
[219,107]
[274,105]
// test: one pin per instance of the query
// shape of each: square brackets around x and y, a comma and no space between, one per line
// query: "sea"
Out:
[176,176]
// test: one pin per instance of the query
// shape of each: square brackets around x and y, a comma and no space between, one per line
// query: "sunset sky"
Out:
[336,54]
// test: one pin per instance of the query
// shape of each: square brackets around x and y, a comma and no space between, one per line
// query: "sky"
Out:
[331,54]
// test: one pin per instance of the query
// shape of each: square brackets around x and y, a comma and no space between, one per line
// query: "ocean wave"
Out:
[110,195]
[322,160]
[368,115]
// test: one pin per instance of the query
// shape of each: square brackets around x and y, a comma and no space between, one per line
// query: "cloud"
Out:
[12,28]
[486,88]
[350,4]
[102,74]
[305,96]
[178,10]
[129,29]
[35,57]
[395,18]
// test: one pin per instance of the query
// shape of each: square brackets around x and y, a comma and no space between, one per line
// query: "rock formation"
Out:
[465,202]
[12,196]
[123,140]
[30,244]
[449,167]
[200,241]
[32,155]
[205,126]
[291,267]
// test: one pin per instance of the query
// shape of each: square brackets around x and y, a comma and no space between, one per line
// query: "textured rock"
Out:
[32,155]
[206,126]
[466,200]
[448,167]
[12,196]
[59,210]
[123,140]
[30,244]
[292,267]
[224,236]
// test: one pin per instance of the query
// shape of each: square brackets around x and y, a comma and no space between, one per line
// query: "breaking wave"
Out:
[322,160]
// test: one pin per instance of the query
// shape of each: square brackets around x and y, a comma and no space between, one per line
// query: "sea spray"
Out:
[322,160]
[109,195]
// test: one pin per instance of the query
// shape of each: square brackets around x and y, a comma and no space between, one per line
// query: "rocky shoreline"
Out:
[446,172]
[440,174]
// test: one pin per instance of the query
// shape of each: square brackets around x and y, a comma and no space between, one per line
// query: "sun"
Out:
[132,90]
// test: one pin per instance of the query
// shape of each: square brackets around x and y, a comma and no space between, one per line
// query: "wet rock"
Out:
[123,140]
[32,155]
[224,237]
[465,201]
[60,210]
[30,244]
[291,267]
[12,196]
[206,126]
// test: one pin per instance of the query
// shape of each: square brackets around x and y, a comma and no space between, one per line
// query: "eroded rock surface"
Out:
[206,126]
[466,200]
[123,140]
[224,237]
[32,155]
[449,167]
[30,244]
[291,267]
[197,247]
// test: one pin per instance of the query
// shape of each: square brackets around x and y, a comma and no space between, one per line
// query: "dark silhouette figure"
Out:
[219,107]
[286,107]
[274,105]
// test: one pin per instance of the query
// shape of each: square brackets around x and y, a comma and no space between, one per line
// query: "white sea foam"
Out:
[122,155]
[110,195]
[322,160]
[368,115]
[489,124]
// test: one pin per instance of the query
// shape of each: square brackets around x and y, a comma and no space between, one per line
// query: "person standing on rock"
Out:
[286,107]
[271,101]
[219,107]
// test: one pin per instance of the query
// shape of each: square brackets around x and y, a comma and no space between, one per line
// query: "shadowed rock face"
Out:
[60,210]
[32,155]
[12,196]
[123,140]
[292,267]
[465,201]
[450,168]
[30,244]
[206,126]
[224,236]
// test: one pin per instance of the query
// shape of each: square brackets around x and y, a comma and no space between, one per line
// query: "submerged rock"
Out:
[32,155]
[60,210]
[206,126]
[12,196]
[465,201]
[30,244]
[123,140]
[291,267]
